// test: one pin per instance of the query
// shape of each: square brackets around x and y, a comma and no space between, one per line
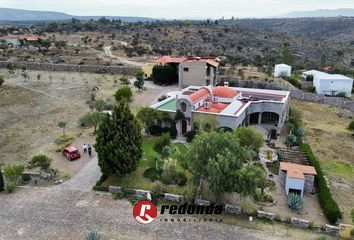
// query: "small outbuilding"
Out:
[330,84]
[297,178]
[282,70]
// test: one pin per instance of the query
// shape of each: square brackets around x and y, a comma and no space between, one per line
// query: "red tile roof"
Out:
[215,107]
[224,92]
[199,95]
[209,60]
[297,170]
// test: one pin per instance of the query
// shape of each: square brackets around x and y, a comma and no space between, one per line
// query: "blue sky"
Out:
[178,8]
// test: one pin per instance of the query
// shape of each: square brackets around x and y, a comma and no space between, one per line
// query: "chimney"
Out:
[226,84]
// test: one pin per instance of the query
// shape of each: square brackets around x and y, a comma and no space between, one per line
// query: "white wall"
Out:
[333,86]
[282,71]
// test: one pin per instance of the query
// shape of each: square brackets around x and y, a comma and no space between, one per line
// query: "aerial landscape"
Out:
[176,120]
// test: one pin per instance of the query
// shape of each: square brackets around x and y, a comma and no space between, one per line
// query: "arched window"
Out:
[183,107]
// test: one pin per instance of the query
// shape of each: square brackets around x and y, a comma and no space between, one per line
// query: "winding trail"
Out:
[108,52]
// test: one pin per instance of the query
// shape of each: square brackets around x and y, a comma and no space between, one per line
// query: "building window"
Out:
[183,107]
[186,69]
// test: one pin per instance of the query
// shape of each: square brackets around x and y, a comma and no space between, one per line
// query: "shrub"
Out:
[152,174]
[329,206]
[92,236]
[12,173]
[352,215]
[169,172]
[294,82]
[63,139]
[180,179]
[161,142]
[189,194]
[123,94]
[190,136]
[341,94]
[101,188]
[295,202]
[2,80]
[311,225]
[351,125]
[157,189]
[10,187]
[41,160]
[164,74]
[277,218]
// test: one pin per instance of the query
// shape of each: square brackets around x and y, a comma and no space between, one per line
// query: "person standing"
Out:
[89,150]
[85,148]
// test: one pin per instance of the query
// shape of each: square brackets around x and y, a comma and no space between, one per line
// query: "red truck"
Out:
[71,153]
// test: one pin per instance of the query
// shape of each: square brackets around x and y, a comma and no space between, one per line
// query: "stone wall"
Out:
[332,230]
[320,98]
[70,67]
[233,209]
[265,215]
[300,223]
[259,84]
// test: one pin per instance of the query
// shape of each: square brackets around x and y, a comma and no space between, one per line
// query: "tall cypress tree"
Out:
[119,142]
[2,185]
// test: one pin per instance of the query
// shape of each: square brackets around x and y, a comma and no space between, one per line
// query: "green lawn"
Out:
[136,179]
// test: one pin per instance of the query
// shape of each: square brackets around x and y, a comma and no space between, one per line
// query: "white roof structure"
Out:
[323,75]
[282,65]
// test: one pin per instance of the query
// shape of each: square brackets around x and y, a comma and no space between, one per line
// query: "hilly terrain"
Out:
[344,12]
[18,15]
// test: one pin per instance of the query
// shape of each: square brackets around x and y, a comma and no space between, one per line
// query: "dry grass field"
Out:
[333,144]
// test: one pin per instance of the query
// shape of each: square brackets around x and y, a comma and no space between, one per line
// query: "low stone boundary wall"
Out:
[233,209]
[126,70]
[300,223]
[173,197]
[320,98]
[266,215]
[258,84]
[332,230]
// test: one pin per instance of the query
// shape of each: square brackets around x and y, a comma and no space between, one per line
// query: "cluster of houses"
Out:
[19,40]
[202,96]
[324,83]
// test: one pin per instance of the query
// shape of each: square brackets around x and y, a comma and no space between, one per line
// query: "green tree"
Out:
[248,179]
[290,140]
[2,80]
[124,80]
[148,116]
[123,94]
[90,119]
[139,83]
[2,184]
[119,142]
[287,54]
[352,214]
[12,174]
[161,142]
[250,138]
[62,124]
[295,117]
[99,105]
[351,125]
[216,157]
[24,73]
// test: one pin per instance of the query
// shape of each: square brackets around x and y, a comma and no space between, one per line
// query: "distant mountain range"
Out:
[345,12]
[18,15]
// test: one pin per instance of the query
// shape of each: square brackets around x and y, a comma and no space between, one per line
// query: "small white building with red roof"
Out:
[228,107]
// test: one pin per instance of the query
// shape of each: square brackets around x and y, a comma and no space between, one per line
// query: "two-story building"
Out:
[194,71]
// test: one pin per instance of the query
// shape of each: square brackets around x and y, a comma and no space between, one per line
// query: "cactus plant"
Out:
[295,202]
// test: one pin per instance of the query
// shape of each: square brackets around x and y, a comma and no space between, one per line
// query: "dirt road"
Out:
[108,52]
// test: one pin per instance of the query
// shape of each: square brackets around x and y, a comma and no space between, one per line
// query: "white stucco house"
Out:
[297,178]
[282,70]
[330,84]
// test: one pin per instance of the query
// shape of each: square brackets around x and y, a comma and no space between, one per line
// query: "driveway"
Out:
[107,51]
